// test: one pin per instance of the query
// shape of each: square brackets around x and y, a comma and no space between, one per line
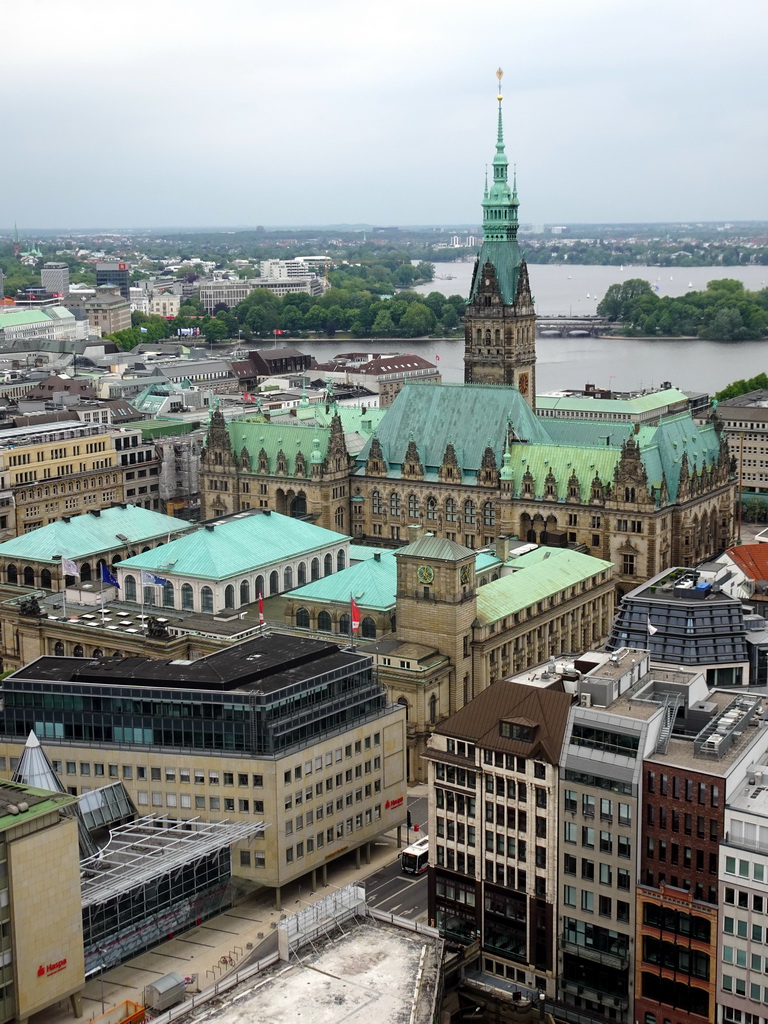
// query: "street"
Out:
[388,889]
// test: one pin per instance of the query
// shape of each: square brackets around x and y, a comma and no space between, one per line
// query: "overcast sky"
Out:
[246,112]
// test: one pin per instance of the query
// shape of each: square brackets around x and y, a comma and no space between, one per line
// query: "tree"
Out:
[382,324]
[450,317]
[619,300]
[417,320]
[214,330]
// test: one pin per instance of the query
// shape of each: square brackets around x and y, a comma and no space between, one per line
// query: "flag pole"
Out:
[351,619]
[101,574]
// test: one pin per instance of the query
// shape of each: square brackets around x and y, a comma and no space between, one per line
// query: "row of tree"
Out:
[355,310]
[726,311]
[743,387]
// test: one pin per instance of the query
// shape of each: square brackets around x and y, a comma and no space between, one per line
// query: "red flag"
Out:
[261,608]
[355,616]
[437,358]
[278,332]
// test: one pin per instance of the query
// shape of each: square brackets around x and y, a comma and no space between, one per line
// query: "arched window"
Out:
[245,592]
[433,708]
[58,649]
[302,618]
[287,578]
[187,597]
[341,560]
[394,504]
[45,579]
[393,622]
[259,586]
[451,510]
[413,506]
[368,628]
[338,519]
[344,624]
[13,573]
[315,568]
[470,513]
[377,505]
[85,572]
[299,505]
[169,598]
[431,508]
[29,576]
[229,596]
[403,701]
[328,564]
[77,651]
[324,622]
[206,600]
[489,513]
[301,574]
[130,588]
[97,652]
[149,596]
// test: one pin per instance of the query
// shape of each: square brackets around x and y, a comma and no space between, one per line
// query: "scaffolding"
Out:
[155,876]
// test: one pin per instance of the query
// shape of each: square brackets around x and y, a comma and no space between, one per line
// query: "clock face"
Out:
[426,573]
[464,574]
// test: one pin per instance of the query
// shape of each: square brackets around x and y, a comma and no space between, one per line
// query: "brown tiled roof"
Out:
[507,701]
[752,559]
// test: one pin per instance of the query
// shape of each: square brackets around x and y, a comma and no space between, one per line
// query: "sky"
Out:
[245,112]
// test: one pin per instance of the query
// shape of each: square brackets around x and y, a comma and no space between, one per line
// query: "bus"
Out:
[414,858]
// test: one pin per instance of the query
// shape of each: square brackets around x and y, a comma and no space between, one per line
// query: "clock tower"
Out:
[500,321]
[436,599]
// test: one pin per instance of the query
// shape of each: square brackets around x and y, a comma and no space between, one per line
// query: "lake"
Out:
[692,365]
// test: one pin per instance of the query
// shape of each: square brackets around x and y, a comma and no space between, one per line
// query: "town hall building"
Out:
[475,461]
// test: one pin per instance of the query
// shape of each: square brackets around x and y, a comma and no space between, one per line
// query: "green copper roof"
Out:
[662,449]
[562,461]
[229,547]
[470,416]
[589,433]
[33,316]
[88,535]
[372,583]
[541,573]
[430,546]
[274,437]
[618,406]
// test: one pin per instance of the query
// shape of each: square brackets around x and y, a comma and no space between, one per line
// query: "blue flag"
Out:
[149,579]
[109,577]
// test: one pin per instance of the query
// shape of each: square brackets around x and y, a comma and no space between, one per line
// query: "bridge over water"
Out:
[575,325]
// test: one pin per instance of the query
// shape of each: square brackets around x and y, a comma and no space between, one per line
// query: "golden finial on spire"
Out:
[499,75]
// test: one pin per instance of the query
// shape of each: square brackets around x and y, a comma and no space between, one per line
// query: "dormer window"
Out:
[519,731]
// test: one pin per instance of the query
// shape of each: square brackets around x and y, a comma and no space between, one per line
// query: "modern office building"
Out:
[686,621]
[114,275]
[108,310]
[686,789]
[288,730]
[41,932]
[55,278]
[742,992]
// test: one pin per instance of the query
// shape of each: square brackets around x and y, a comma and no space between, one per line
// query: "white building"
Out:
[224,566]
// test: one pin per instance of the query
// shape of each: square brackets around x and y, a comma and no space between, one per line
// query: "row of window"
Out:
[604,873]
[589,806]
[184,776]
[343,828]
[675,820]
[757,993]
[741,867]
[683,789]
[740,958]
[310,816]
[184,800]
[586,900]
[450,508]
